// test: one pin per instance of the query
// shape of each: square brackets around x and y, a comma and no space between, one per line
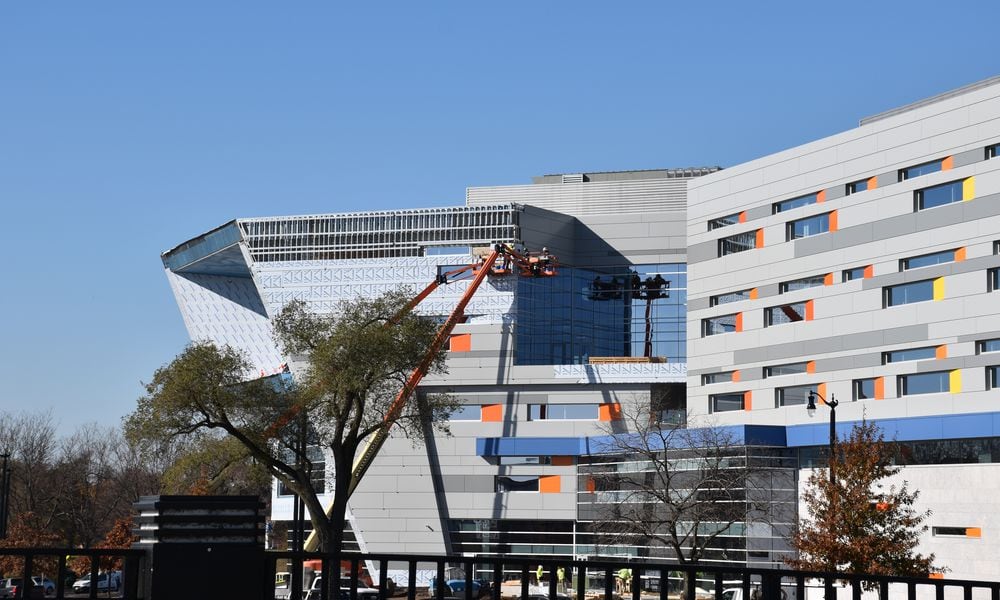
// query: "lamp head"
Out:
[811,403]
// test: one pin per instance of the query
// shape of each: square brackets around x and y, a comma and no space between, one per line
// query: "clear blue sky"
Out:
[128,127]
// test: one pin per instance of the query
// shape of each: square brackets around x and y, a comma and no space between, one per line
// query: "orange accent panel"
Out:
[941,351]
[948,163]
[739,322]
[960,254]
[492,413]
[461,342]
[610,412]
[753,293]
[747,400]
[743,217]
[562,461]
[810,310]
[872,182]
[821,196]
[811,366]
[833,221]
[821,390]
[591,485]
[548,484]
[869,271]
[882,506]
[936,576]
[759,239]
[828,279]
[974,532]
[880,388]
[736,376]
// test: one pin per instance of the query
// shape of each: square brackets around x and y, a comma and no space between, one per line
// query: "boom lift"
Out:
[502,260]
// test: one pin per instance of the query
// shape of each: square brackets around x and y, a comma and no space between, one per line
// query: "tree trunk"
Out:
[334,545]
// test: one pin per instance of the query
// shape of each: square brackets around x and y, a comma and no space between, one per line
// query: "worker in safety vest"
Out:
[561,578]
[625,579]
[538,575]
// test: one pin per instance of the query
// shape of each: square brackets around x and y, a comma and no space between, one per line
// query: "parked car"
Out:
[82,586]
[364,593]
[47,584]
[9,588]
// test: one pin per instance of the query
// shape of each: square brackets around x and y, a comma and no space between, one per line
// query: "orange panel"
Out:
[739,321]
[492,413]
[610,412]
[747,400]
[828,279]
[562,461]
[753,293]
[974,532]
[548,484]
[821,390]
[810,309]
[880,388]
[869,271]
[872,183]
[736,376]
[936,576]
[591,485]
[759,240]
[941,351]
[461,342]
[833,221]
[811,366]
[960,254]
[821,196]
[948,163]
[743,217]
[882,506]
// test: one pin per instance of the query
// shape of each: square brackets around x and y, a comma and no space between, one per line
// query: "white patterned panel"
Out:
[227,311]
[624,373]
[323,284]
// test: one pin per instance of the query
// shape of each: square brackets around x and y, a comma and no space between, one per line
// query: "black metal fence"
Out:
[37,562]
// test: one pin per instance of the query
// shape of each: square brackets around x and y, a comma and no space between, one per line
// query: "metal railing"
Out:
[32,559]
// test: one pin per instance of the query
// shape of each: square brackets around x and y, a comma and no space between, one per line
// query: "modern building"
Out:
[863,267]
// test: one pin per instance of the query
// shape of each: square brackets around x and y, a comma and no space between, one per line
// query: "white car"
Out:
[82,586]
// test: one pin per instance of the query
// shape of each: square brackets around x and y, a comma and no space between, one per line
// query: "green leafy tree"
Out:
[353,364]
[861,522]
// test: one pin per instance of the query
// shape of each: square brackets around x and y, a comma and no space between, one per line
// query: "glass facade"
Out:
[741,242]
[924,383]
[992,151]
[786,369]
[939,195]
[908,293]
[790,396]
[794,203]
[729,297]
[726,402]
[789,313]
[909,354]
[562,412]
[631,311]
[717,325]
[988,346]
[725,377]
[801,284]
[724,221]
[927,260]
[864,389]
[855,273]
[807,227]
[857,186]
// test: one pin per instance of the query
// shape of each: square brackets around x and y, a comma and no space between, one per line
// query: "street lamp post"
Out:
[832,403]
[4,495]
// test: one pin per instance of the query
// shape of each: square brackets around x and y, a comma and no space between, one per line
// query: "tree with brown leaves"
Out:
[861,522]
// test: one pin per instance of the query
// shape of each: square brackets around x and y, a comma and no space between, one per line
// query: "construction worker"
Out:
[625,579]
[538,575]
[561,578]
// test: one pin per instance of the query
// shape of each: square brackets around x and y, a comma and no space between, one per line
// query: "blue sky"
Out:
[126,128]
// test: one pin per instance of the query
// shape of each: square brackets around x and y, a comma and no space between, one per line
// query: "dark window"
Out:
[786,369]
[726,402]
[741,242]
[924,383]
[525,460]
[992,151]
[717,325]
[724,377]
[724,221]
[857,186]
[984,346]
[993,279]
[949,531]
[938,195]
[794,203]
[855,273]
[922,169]
[467,412]
[791,396]
[809,226]
[909,354]
[801,284]
[926,260]
[562,412]
[991,377]
[729,297]
[517,483]
[788,313]
[864,389]
[908,293]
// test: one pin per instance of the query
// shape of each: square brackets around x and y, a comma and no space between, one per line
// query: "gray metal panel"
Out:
[759,212]
[468,483]
[889,178]
[968,157]
[703,251]
[699,303]
[835,192]
[856,341]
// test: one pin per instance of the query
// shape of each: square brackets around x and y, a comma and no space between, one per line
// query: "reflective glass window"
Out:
[467,412]
[991,377]
[809,226]
[729,297]
[516,483]
[992,151]
[525,460]
[562,412]
[786,369]
[726,402]
[855,273]
[864,389]
[790,396]
[988,346]
[909,354]
[926,260]
[794,203]
[993,279]
[724,221]
[788,313]
[801,284]
[857,186]
[717,325]
[709,378]
[908,293]
[924,383]
[938,195]
[741,242]
[922,169]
